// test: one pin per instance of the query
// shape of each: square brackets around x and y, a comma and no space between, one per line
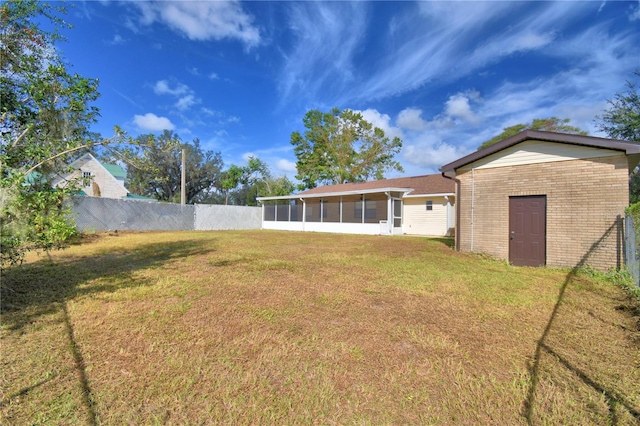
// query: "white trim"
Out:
[330,227]
[443,194]
[336,194]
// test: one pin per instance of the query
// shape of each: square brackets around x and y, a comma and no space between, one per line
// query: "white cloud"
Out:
[185,96]
[116,41]
[383,121]
[532,41]
[634,14]
[213,76]
[153,123]
[325,37]
[410,119]
[458,107]
[186,102]
[163,87]
[450,40]
[286,166]
[430,152]
[201,20]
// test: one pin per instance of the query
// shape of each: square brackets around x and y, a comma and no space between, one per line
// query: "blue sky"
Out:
[443,76]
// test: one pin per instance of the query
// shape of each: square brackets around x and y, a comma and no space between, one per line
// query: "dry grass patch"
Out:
[259,327]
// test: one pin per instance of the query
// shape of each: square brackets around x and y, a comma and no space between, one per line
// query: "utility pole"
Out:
[183,181]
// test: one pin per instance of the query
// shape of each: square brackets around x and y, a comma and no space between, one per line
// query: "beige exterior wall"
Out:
[417,220]
[101,181]
[585,197]
[534,152]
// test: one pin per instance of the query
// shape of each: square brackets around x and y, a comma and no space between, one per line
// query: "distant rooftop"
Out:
[117,171]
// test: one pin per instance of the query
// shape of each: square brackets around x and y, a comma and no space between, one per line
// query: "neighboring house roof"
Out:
[140,197]
[414,185]
[34,178]
[629,148]
[117,171]
[109,168]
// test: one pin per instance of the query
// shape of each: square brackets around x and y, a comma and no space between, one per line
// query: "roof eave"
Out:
[448,170]
[335,194]
[439,194]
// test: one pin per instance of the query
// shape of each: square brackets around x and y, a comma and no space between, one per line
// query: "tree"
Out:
[44,115]
[551,124]
[255,180]
[340,147]
[231,178]
[155,168]
[622,121]
[278,187]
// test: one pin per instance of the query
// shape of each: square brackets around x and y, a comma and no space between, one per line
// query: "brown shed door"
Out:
[528,230]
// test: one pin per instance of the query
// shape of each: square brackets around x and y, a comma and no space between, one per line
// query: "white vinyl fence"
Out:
[104,214]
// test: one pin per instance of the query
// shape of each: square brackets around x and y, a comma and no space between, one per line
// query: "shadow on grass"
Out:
[38,288]
[447,241]
[44,287]
[612,398]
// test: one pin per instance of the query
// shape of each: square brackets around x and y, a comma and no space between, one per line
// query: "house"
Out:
[419,205]
[99,179]
[544,198]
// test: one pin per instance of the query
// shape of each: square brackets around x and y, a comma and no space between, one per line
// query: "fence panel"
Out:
[216,217]
[631,248]
[107,214]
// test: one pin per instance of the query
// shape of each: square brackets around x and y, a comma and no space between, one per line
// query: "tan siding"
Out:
[418,221]
[533,152]
[584,199]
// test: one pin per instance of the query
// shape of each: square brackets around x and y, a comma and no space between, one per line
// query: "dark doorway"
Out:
[528,230]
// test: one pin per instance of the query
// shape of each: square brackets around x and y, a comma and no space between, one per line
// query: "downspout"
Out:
[261,214]
[458,197]
[446,198]
[473,199]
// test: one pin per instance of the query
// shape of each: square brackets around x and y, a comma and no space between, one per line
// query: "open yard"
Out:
[260,327]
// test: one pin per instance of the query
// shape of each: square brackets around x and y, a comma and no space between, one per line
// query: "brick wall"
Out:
[584,199]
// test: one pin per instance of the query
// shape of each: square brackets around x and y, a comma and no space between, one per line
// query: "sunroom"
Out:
[374,212]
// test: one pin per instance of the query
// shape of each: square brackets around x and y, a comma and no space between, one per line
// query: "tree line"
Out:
[154,169]
[46,113]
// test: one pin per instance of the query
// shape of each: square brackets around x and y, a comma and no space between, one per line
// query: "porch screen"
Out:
[375,208]
[269,210]
[331,209]
[296,210]
[313,210]
[352,209]
[282,211]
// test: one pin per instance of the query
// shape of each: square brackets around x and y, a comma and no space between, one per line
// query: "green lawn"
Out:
[261,327]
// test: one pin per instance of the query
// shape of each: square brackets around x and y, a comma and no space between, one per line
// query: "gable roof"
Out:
[417,185]
[90,157]
[629,148]
[117,171]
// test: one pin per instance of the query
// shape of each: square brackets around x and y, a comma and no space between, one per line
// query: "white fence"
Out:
[104,214]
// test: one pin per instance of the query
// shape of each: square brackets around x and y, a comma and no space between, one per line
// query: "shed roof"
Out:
[629,148]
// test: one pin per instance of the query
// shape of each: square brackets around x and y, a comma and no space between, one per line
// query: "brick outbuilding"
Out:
[544,198]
